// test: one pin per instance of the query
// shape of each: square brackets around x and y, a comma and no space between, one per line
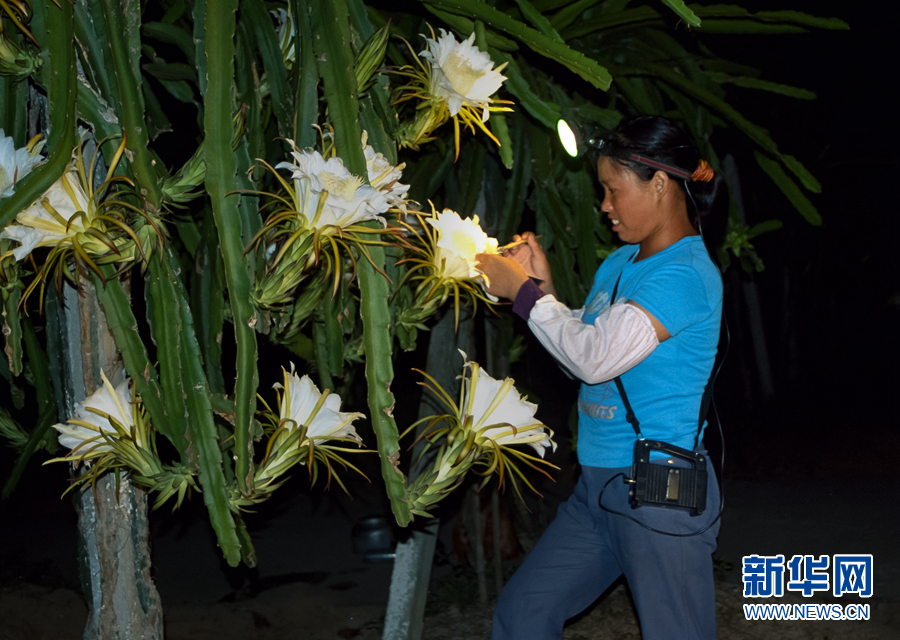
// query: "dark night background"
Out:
[829,297]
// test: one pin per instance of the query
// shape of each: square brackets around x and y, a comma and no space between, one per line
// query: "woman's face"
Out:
[630,203]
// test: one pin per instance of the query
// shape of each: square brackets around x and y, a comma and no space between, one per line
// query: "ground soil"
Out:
[310,585]
[31,612]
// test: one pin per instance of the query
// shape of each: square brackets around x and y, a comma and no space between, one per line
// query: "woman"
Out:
[660,334]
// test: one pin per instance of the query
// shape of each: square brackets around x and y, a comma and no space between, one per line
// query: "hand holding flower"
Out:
[503,276]
[531,256]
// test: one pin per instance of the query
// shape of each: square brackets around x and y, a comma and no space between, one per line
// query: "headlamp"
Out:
[576,138]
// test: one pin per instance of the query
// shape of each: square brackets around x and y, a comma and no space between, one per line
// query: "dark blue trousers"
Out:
[586,548]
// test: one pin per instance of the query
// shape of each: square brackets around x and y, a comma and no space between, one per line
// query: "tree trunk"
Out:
[751,294]
[114,554]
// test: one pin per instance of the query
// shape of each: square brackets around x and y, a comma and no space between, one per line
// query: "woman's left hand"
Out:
[503,276]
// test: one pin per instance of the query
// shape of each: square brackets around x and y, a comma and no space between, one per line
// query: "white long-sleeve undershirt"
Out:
[620,338]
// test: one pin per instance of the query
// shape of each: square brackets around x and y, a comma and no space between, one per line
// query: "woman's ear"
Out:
[661,183]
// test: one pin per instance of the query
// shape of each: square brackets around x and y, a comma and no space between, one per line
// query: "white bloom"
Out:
[462,74]
[15,163]
[304,404]
[459,241]
[384,177]
[500,414]
[86,424]
[39,227]
[348,200]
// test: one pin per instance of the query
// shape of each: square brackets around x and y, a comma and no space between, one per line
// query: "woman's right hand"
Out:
[531,256]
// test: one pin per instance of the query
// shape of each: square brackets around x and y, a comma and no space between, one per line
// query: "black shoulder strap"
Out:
[612,298]
[629,412]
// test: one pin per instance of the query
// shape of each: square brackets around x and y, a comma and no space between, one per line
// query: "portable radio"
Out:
[664,485]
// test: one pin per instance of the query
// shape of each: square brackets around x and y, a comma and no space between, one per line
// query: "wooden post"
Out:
[405,615]
[476,533]
[495,539]
[497,333]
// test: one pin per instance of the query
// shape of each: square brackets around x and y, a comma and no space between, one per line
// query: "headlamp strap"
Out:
[703,172]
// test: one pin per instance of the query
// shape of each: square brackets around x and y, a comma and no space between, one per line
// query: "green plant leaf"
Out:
[544,112]
[580,195]
[573,60]
[806,178]
[498,124]
[123,18]
[764,227]
[723,18]
[100,115]
[180,90]
[683,12]
[167,332]
[208,302]
[14,109]
[518,181]
[255,12]
[551,219]
[376,317]
[763,85]
[199,37]
[93,43]
[170,71]
[612,20]
[306,78]
[789,188]
[220,181]
[124,326]
[464,25]
[172,34]
[46,401]
[330,24]
[756,133]
[429,173]
[501,130]
[61,93]
[471,177]
[537,20]
[156,119]
[567,15]
[192,386]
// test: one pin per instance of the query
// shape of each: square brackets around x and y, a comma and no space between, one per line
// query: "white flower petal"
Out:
[328,422]
[15,164]
[36,227]
[115,402]
[118,406]
[497,402]
[385,177]
[349,199]
[453,265]
[462,74]
[29,239]
[511,409]
[537,438]
[459,241]
[74,436]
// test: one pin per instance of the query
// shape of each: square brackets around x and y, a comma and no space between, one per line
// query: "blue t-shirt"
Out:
[680,287]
